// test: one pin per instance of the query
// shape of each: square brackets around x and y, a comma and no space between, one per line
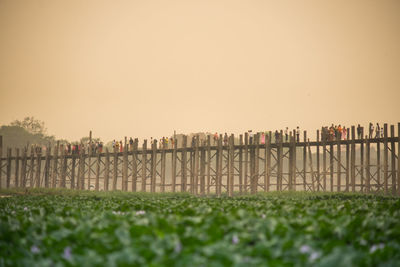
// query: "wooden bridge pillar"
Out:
[393,159]
[385,159]
[106,170]
[144,161]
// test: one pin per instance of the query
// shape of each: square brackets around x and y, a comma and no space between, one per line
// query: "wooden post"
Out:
[398,158]
[305,162]
[23,168]
[16,180]
[47,167]
[73,165]
[219,167]
[8,170]
[347,165]
[134,165]
[163,167]
[97,182]
[144,159]
[38,168]
[196,166]
[331,169]
[1,160]
[290,167]
[339,164]
[367,167]
[385,158]
[89,161]
[202,170]
[393,150]
[63,168]
[256,163]
[362,159]
[82,174]
[125,168]
[279,162]
[311,167]
[115,171]
[246,160]
[294,149]
[191,164]
[106,170]
[323,161]
[153,167]
[55,166]
[183,165]
[173,170]
[231,152]
[353,159]
[208,163]
[267,177]
[378,163]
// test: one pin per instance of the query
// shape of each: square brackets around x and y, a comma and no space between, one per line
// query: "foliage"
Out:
[70,228]
[31,124]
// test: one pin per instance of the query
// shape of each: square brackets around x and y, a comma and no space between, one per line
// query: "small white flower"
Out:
[305,249]
[235,239]
[35,249]
[178,247]
[13,212]
[67,253]
[263,216]
[140,212]
[313,256]
[25,208]
[376,247]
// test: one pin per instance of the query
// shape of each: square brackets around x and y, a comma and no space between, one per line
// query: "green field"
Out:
[69,228]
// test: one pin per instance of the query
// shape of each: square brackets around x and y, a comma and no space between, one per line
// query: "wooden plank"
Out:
[183,165]
[208,163]
[279,150]
[353,160]
[8,170]
[144,162]
[55,166]
[97,182]
[106,170]
[311,168]
[368,166]
[246,160]
[16,169]
[323,162]
[241,163]
[47,168]
[393,160]
[89,160]
[125,168]
[134,165]
[256,175]
[163,155]
[153,178]
[339,164]
[173,169]
[385,159]
[191,164]
[305,162]
[38,168]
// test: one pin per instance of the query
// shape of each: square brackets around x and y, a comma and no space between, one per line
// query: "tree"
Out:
[31,125]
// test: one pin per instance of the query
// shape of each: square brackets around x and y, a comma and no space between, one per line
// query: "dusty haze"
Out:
[147,68]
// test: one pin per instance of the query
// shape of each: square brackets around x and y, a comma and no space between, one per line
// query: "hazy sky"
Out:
[147,68]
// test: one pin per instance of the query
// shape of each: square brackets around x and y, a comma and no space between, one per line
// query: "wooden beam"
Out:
[115,170]
[241,164]
[305,162]
[173,169]
[398,158]
[246,160]
[47,167]
[347,166]
[144,162]
[331,165]
[219,167]
[8,170]
[267,178]
[163,167]
[97,182]
[368,166]
[125,168]
[353,160]
[55,166]
[202,170]
[183,165]
[153,177]
[208,163]
[73,165]
[231,170]
[362,159]
[134,165]
[339,164]
[323,163]
[38,168]
[63,168]
[23,168]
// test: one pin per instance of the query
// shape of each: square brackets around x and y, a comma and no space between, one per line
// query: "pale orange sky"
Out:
[147,68]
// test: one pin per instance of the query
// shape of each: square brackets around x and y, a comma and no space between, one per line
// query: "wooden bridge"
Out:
[355,165]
